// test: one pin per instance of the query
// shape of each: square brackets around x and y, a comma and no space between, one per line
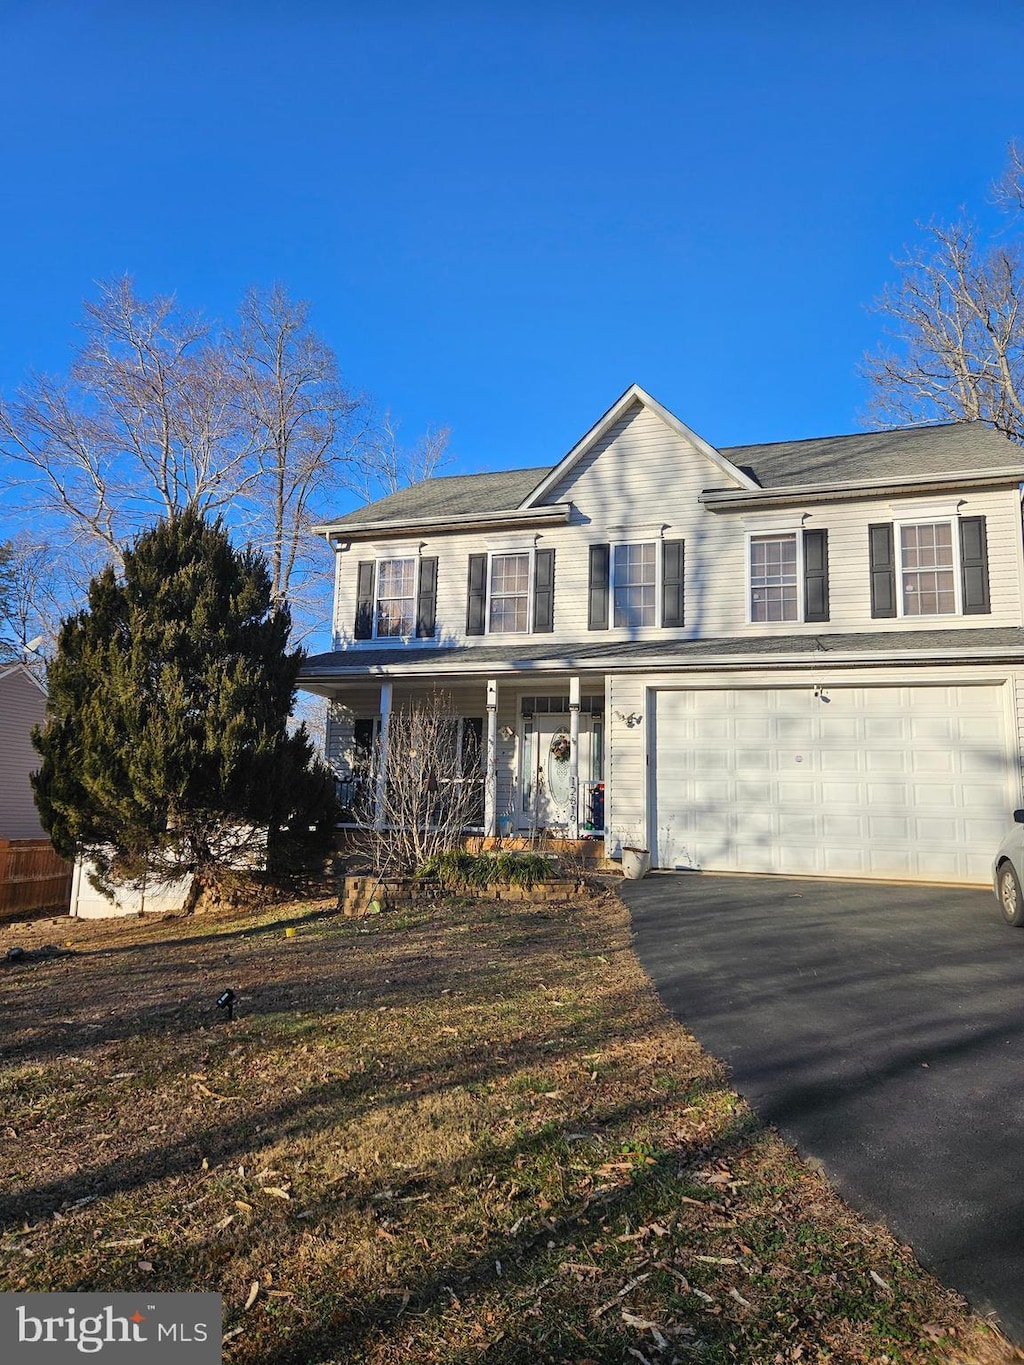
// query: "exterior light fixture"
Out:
[226,1001]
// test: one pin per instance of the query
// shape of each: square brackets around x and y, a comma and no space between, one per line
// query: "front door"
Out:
[545,788]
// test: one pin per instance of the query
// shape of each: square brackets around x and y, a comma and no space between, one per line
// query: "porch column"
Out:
[382,753]
[574,758]
[491,779]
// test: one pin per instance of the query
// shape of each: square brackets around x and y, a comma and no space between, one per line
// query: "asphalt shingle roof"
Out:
[910,452]
[455,495]
[906,453]
[897,643]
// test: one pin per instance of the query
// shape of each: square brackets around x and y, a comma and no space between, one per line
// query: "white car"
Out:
[1007,868]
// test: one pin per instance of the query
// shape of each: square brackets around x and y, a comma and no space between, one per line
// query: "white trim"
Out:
[911,511]
[400,638]
[777,533]
[557,512]
[502,554]
[954,530]
[634,394]
[839,491]
[658,555]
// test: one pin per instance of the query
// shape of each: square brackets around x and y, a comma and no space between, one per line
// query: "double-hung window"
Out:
[929,566]
[774,578]
[396,598]
[509,593]
[928,569]
[788,575]
[635,585]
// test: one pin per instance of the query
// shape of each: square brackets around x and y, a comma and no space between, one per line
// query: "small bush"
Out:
[457,870]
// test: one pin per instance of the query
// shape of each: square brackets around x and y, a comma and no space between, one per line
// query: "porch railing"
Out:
[357,797]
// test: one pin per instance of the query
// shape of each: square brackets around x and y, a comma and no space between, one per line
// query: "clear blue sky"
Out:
[503,215]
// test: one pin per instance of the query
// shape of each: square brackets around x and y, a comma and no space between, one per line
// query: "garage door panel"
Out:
[905,782]
[931,760]
[840,760]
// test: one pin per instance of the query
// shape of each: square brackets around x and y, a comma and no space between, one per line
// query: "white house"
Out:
[804,657]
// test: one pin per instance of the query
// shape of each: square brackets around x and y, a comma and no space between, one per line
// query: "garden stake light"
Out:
[226,1001]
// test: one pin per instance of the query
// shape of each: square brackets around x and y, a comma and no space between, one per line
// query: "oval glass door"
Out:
[558,774]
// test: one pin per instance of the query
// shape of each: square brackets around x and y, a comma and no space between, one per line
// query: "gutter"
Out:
[669,663]
[724,501]
[339,532]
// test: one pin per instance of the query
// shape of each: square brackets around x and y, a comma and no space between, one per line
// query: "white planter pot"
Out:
[636,863]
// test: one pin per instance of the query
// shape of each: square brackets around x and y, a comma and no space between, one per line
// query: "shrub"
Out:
[457,870]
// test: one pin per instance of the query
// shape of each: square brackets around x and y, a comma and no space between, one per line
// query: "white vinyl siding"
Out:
[644,466]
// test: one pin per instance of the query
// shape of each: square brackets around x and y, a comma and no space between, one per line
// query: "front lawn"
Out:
[465,1132]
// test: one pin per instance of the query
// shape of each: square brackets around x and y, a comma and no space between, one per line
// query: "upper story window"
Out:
[509,593]
[396,598]
[635,585]
[774,581]
[787,576]
[934,567]
[928,569]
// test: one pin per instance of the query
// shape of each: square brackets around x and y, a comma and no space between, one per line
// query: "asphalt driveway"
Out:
[881,1029]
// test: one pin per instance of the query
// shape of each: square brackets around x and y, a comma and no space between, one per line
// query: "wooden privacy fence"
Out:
[32,877]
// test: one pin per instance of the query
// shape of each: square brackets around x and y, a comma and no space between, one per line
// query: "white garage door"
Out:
[902,782]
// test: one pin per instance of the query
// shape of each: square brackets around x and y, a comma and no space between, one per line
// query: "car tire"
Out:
[1011,900]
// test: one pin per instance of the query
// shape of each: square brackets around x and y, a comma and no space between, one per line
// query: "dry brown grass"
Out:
[466,1132]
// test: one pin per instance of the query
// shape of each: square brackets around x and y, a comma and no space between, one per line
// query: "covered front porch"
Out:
[532,749]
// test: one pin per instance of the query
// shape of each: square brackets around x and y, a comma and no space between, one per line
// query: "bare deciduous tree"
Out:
[32,598]
[382,465]
[956,318]
[433,792]
[308,428]
[148,423]
[163,411]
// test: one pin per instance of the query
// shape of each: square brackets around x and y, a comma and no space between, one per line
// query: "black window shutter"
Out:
[364,601]
[816,575]
[883,569]
[597,614]
[974,565]
[672,563]
[426,600]
[476,602]
[544,590]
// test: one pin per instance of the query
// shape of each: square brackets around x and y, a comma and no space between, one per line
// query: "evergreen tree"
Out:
[166,749]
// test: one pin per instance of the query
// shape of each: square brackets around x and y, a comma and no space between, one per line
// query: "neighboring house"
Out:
[22,707]
[804,657]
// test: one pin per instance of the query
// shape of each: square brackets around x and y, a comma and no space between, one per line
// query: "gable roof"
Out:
[634,394]
[16,669]
[903,454]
